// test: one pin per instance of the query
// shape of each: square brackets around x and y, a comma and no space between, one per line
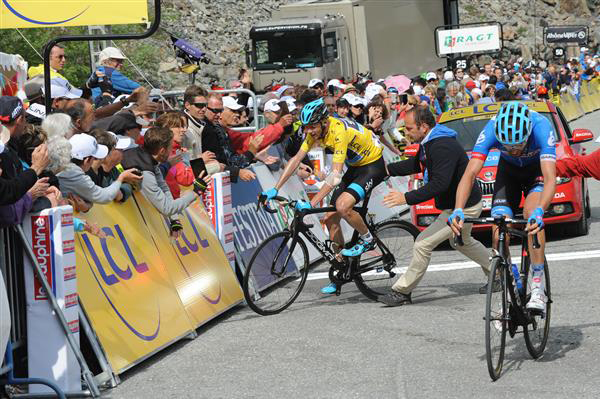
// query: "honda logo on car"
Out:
[42,249]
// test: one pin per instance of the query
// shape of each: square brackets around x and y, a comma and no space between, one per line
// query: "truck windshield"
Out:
[288,50]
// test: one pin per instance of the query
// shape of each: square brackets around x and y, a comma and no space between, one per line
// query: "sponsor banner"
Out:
[566,34]
[195,262]
[125,288]
[469,40]
[252,227]
[217,200]
[51,235]
[54,13]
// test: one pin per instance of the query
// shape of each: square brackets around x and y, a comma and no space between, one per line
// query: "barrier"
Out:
[589,100]
[143,292]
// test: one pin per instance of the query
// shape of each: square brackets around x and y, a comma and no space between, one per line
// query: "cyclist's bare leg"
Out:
[332,221]
[537,255]
[344,205]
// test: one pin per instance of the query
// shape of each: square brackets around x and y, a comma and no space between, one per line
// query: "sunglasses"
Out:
[215,110]
[200,105]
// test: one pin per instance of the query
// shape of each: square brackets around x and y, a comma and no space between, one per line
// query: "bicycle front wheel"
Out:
[375,272]
[496,316]
[536,332]
[276,273]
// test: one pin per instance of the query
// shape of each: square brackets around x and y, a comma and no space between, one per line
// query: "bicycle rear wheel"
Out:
[496,314]
[536,333]
[275,274]
[375,274]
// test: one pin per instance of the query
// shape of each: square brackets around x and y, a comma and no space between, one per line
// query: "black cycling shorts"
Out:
[511,183]
[360,180]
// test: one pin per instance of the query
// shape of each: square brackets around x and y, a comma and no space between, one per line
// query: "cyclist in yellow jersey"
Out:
[361,151]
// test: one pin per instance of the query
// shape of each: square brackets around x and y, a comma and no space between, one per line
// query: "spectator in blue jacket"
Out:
[111,60]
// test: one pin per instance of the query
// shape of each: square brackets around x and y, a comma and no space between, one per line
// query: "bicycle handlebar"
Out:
[458,241]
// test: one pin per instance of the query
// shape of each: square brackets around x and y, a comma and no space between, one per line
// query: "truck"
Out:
[336,39]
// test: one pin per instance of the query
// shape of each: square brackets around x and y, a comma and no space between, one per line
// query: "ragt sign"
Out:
[476,39]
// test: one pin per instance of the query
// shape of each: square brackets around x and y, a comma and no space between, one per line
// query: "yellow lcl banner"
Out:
[54,13]
[142,291]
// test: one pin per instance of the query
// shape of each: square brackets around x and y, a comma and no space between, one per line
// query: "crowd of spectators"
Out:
[108,137]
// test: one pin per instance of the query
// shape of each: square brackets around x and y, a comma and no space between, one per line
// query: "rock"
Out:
[167,66]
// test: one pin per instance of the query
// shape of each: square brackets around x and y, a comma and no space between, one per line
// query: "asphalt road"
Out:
[351,347]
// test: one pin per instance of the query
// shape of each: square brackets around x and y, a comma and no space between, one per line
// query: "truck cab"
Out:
[299,49]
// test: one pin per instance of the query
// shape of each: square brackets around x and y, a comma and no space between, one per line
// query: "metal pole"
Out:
[153,28]
[87,374]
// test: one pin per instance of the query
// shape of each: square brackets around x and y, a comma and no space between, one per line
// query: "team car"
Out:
[571,203]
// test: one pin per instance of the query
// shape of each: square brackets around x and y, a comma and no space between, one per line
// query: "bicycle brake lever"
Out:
[536,242]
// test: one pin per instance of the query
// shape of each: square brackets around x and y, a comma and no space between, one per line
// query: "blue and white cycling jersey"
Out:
[540,144]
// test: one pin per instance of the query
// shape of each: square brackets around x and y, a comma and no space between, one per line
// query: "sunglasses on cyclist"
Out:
[200,105]
[215,110]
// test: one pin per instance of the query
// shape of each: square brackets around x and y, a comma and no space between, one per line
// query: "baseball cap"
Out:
[111,52]
[283,88]
[314,82]
[232,104]
[354,100]
[60,87]
[372,91]
[448,76]
[83,146]
[272,106]
[430,76]
[477,91]
[483,77]
[123,142]
[470,85]
[290,101]
[34,88]
[336,83]
[500,86]
[10,109]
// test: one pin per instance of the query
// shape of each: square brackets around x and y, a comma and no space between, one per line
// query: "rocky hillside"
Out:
[220,28]
[524,20]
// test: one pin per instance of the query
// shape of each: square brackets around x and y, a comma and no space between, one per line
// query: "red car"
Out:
[571,204]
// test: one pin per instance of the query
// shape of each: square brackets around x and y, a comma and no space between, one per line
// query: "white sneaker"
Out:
[537,302]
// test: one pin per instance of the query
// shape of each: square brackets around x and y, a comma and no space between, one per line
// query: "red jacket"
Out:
[239,141]
[180,174]
[580,165]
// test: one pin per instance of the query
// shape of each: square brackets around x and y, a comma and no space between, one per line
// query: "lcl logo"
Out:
[190,247]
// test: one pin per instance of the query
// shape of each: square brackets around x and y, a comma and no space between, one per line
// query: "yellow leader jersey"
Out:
[349,141]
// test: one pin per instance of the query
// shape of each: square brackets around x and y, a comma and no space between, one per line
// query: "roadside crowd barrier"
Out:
[589,100]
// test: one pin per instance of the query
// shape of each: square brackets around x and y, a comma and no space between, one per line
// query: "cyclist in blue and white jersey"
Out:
[527,166]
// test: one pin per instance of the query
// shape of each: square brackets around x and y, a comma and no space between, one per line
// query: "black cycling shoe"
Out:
[395,298]
[496,287]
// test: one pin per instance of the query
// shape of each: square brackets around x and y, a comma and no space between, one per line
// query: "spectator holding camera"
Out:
[111,62]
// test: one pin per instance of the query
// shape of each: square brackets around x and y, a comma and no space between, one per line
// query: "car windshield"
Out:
[468,129]
[296,49]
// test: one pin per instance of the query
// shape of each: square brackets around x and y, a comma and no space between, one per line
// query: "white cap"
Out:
[477,91]
[61,88]
[372,91]
[272,106]
[111,52]
[314,82]
[448,76]
[231,103]
[291,103]
[336,83]
[282,89]
[123,142]
[83,146]
[354,100]
[430,75]
[418,89]
[483,77]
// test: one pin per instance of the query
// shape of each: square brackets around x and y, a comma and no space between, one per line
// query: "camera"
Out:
[187,52]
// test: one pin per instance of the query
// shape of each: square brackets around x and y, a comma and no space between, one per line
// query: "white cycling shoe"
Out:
[537,302]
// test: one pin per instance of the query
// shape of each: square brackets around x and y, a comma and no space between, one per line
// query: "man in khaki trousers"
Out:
[442,161]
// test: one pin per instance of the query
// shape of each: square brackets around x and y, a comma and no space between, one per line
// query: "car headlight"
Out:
[562,180]
[417,184]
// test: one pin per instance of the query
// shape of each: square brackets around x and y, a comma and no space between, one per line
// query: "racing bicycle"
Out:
[505,303]
[279,267]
